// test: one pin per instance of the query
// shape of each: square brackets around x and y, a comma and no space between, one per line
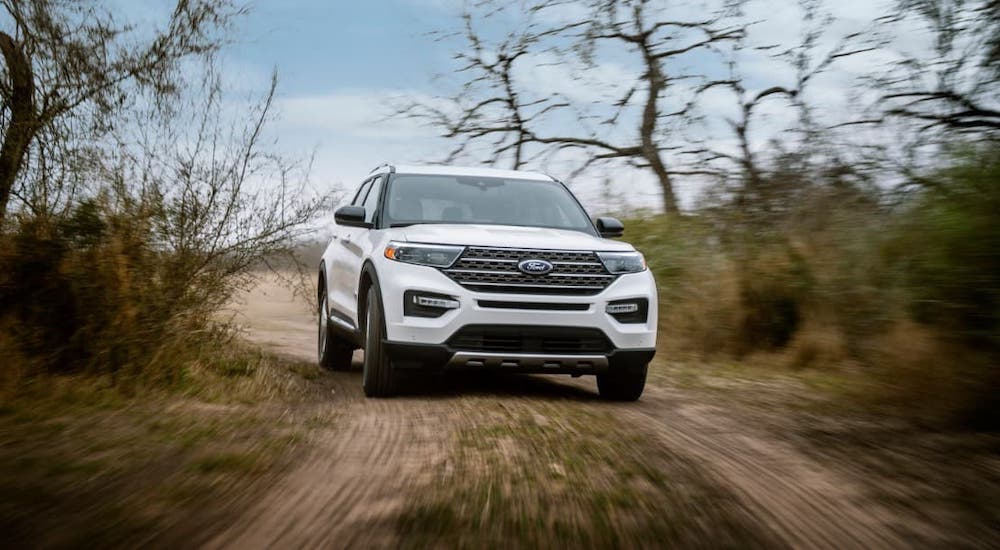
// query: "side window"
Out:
[371,202]
[359,199]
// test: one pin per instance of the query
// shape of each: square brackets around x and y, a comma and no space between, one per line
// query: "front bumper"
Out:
[440,357]
[395,278]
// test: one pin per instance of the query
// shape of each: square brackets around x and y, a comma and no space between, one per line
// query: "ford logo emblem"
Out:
[535,267]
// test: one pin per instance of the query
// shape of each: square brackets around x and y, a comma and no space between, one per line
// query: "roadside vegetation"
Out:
[85,464]
[894,295]
[136,199]
[137,195]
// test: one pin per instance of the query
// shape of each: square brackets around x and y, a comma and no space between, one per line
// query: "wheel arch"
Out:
[321,282]
[367,281]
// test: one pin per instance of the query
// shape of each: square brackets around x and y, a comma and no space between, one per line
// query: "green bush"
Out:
[91,291]
[907,286]
[946,249]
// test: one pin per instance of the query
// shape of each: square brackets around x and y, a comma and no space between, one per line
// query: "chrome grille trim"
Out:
[497,260]
[490,269]
[586,275]
[536,286]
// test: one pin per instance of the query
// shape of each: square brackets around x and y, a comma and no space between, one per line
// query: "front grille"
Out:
[495,270]
[530,339]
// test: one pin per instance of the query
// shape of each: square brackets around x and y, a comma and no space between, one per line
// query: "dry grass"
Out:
[86,463]
[556,476]
[823,295]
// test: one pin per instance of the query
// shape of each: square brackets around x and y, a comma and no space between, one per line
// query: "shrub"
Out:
[89,293]
[946,249]
[909,289]
[132,270]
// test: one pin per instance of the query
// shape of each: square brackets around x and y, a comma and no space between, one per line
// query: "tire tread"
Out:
[379,378]
[623,386]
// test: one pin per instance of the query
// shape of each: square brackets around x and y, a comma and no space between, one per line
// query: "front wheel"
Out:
[622,386]
[334,354]
[379,379]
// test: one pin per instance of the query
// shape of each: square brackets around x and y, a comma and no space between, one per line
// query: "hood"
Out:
[508,236]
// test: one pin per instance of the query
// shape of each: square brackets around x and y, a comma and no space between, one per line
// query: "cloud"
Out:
[364,114]
[446,6]
[350,132]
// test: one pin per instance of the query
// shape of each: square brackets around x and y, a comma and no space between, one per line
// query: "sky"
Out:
[341,63]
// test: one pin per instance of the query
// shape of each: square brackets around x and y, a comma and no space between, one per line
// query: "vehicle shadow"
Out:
[456,384]
[490,383]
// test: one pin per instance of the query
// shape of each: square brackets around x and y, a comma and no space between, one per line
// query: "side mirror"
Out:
[610,227]
[351,216]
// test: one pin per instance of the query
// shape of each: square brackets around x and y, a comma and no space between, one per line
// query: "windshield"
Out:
[414,199]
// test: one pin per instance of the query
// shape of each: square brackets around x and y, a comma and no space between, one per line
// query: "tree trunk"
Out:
[666,185]
[517,151]
[23,123]
[647,131]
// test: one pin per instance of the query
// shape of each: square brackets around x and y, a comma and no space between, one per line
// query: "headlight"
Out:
[437,255]
[623,262]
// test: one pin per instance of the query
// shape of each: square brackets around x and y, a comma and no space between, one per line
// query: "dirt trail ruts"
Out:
[347,490]
[803,503]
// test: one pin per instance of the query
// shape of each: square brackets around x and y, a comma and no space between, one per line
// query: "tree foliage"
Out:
[71,65]
[493,104]
[662,116]
[146,195]
[955,86]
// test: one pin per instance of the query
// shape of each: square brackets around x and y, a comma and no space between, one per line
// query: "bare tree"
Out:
[177,216]
[955,88]
[505,112]
[71,58]
[217,201]
[490,106]
[808,60]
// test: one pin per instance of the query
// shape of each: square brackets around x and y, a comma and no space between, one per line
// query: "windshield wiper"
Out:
[408,224]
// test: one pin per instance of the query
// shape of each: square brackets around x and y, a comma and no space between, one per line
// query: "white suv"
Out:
[435,268]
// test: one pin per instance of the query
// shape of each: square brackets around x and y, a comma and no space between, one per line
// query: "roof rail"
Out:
[553,178]
[392,169]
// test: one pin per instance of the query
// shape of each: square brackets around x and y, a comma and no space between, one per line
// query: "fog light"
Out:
[635,310]
[427,301]
[427,304]
[615,309]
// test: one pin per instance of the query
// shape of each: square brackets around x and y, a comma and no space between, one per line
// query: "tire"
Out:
[334,353]
[622,386]
[379,378]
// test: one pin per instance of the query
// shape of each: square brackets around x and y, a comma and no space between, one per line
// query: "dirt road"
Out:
[375,458]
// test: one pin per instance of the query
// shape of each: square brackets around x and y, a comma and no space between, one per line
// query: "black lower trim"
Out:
[351,336]
[418,356]
[337,321]
[630,360]
[531,339]
[434,357]
[549,306]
